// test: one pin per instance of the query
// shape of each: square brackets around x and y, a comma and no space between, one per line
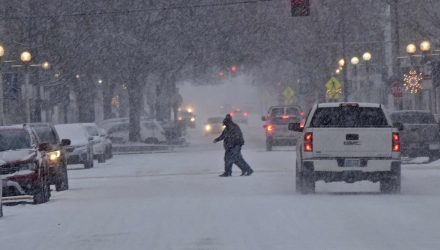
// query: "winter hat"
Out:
[227,120]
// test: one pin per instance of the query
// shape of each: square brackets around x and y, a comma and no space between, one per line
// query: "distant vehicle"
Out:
[214,126]
[118,129]
[420,135]
[239,116]
[57,156]
[23,164]
[99,142]
[276,124]
[187,118]
[81,148]
[347,142]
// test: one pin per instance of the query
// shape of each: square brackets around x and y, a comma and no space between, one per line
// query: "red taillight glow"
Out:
[285,117]
[231,114]
[245,114]
[302,125]
[301,113]
[308,142]
[396,142]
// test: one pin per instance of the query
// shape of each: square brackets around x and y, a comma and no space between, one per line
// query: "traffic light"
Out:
[300,7]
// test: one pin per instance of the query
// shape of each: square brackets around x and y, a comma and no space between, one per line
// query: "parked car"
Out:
[214,126]
[98,141]
[347,142]
[420,133]
[118,129]
[57,156]
[23,164]
[108,143]
[276,124]
[81,148]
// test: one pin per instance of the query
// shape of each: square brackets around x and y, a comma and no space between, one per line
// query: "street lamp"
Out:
[341,62]
[411,49]
[45,65]
[2,51]
[26,57]
[366,56]
[100,81]
[2,118]
[425,46]
[338,71]
[354,60]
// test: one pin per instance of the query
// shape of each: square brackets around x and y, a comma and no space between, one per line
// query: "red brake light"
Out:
[308,142]
[302,125]
[245,114]
[232,113]
[301,113]
[285,117]
[269,128]
[396,142]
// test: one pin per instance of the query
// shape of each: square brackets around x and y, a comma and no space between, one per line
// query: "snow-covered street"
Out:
[177,201]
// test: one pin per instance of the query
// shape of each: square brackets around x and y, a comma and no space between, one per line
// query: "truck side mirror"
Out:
[296,127]
[65,142]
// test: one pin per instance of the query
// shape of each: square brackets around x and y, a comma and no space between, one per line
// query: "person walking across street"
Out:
[232,138]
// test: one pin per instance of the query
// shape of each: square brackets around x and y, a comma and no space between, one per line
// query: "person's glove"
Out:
[215,140]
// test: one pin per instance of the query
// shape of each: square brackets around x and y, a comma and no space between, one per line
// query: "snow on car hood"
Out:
[19,155]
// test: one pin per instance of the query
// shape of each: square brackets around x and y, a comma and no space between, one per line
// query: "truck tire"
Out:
[392,183]
[434,155]
[269,144]
[308,181]
[62,181]
[298,180]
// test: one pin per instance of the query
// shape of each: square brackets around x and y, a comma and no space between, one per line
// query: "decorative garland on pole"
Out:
[413,81]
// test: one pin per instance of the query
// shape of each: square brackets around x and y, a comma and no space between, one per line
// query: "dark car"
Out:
[419,133]
[57,156]
[187,118]
[240,116]
[276,127]
[23,164]
[214,126]
[81,149]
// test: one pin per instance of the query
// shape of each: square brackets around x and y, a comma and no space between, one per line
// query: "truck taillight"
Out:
[396,142]
[308,142]
[269,128]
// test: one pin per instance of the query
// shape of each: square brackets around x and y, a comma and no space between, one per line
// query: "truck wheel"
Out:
[62,182]
[434,155]
[308,181]
[298,180]
[391,184]
[269,144]
[101,158]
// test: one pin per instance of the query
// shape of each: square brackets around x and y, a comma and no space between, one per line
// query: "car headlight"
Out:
[223,127]
[54,155]
[208,127]
[193,119]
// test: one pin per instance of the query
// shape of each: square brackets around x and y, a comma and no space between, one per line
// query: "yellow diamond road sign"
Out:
[288,93]
[333,88]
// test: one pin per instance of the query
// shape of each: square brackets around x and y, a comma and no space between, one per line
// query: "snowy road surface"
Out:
[177,201]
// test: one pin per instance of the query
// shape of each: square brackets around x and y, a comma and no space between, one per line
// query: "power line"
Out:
[127,12]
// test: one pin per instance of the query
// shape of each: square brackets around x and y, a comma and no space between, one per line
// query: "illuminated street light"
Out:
[99,81]
[425,46]
[366,56]
[341,62]
[338,71]
[354,60]
[77,76]
[26,56]
[411,48]
[45,65]
[2,51]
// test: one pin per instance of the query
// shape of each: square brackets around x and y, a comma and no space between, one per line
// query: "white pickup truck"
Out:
[347,142]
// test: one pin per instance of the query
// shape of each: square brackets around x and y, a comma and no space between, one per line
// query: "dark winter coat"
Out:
[231,135]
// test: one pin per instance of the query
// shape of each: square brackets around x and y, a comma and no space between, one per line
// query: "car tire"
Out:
[108,153]
[269,144]
[308,181]
[101,158]
[392,183]
[298,180]
[62,182]
[434,155]
[88,164]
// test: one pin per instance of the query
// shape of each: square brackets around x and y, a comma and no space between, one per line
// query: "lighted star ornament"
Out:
[413,82]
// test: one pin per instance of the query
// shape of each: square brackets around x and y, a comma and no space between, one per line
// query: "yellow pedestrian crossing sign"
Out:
[288,94]
[333,87]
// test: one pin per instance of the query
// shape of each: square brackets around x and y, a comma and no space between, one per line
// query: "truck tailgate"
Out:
[352,142]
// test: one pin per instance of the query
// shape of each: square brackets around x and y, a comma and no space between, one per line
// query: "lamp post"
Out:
[2,112]
[26,58]
[366,57]
[355,61]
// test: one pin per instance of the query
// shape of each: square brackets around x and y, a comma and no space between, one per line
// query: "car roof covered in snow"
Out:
[12,127]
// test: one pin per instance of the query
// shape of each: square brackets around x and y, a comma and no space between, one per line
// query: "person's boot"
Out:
[243,173]
[249,172]
[225,174]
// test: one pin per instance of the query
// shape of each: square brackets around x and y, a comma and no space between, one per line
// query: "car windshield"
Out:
[46,134]
[348,117]
[14,139]
[413,118]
